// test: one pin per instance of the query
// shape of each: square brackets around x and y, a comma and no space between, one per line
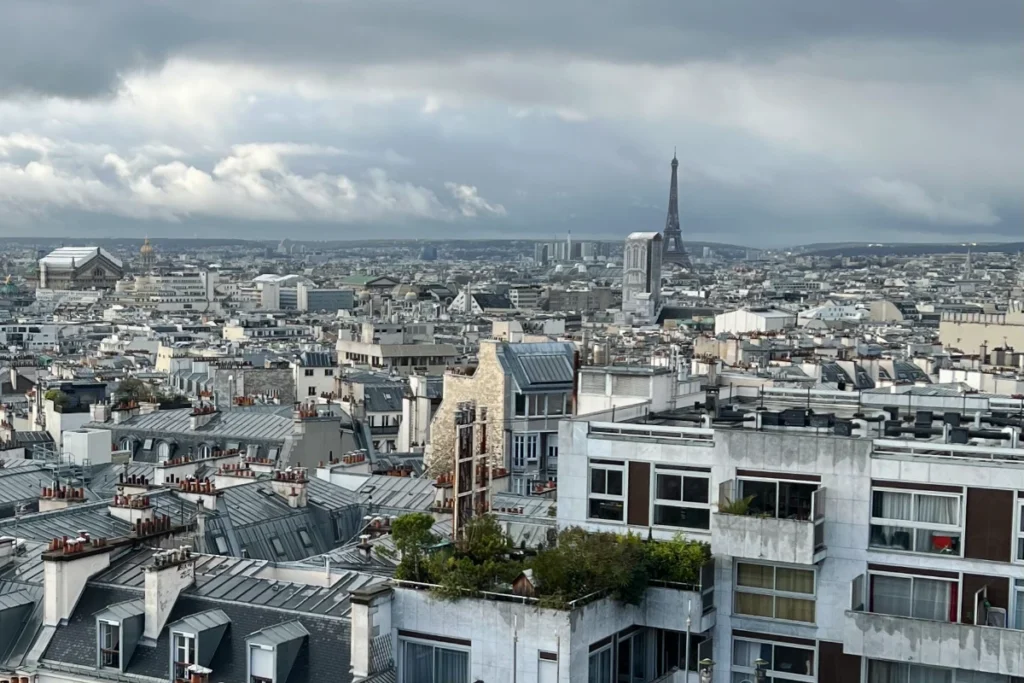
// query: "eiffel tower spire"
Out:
[672,250]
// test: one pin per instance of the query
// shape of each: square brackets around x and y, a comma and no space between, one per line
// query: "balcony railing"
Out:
[928,449]
[918,639]
[694,436]
[743,531]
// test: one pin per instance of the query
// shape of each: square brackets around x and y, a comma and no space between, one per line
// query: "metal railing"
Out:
[689,435]
[944,450]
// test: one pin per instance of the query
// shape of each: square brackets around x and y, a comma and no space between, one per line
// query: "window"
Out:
[916,522]
[308,372]
[630,662]
[520,405]
[275,543]
[222,545]
[917,597]
[184,653]
[606,499]
[896,672]
[429,663]
[205,451]
[552,456]
[110,644]
[147,445]
[779,499]
[1020,528]
[126,444]
[163,451]
[599,667]
[311,391]
[518,450]
[532,448]
[1018,618]
[682,498]
[329,372]
[557,404]
[535,404]
[786,663]
[774,592]
[305,538]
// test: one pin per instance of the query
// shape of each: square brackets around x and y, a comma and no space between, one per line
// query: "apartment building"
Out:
[403,349]
[527,389]
[852,544]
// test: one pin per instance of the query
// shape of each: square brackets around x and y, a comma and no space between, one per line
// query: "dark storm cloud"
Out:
[83,49]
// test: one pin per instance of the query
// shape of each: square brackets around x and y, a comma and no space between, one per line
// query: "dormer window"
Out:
[184,655]
[110,644]
[273,650]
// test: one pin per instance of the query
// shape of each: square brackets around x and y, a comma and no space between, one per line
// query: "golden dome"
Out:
[147,248]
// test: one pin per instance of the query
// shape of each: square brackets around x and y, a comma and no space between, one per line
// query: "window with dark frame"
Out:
[184,655]
[110,644]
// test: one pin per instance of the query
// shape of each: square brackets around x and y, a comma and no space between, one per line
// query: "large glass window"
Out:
[682,498]
[774,592]
[429,663]
[914,596]
[786,663]
[916,522]
[632,658]
[780,499]
[519,450]
[607,490]
[599,666]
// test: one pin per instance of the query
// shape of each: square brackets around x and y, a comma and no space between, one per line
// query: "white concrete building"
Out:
[844,553]
[746,320]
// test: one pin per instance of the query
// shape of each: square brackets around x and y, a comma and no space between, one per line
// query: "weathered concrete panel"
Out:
[763,538]
[960,646]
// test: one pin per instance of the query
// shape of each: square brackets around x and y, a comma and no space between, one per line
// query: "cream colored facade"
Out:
[486,386]
[968,332]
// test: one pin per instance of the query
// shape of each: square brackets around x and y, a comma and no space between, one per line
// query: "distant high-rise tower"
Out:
[673,244]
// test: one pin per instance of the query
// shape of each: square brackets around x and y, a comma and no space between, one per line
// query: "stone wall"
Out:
[486,386]
[253,381]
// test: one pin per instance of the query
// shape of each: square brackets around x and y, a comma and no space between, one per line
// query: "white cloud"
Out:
[253,182]
[910,200]
[471,204]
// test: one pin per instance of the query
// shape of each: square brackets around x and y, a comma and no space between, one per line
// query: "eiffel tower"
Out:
[672,249]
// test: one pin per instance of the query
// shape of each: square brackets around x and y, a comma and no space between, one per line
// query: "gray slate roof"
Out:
[255,422]
[545,366]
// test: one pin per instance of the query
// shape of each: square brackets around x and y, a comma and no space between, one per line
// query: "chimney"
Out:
[233,474]
[172,472]
[371,619]
[292,484]
[131,508]
[198,674]
[67,566]
[147,407]
[364,546]
[56,497]
[172,571]
[199,491]
[8,549]
[201,415]
[99,412]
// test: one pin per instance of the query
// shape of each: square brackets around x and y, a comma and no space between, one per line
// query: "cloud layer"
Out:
[794,121]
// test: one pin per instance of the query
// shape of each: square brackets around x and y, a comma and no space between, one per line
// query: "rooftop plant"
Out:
[578,565]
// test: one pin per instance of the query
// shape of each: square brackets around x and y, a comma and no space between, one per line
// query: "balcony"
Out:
[785,526]
[911,639]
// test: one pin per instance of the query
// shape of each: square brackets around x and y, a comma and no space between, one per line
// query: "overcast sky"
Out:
[795,120]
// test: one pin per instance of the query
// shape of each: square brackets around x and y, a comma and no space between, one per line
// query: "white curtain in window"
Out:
[938,509]
[897,505]
[890,595]
[418,663]
[931,599]
[450,666]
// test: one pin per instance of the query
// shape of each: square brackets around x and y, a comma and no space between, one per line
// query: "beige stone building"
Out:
[527,389]
[969,332]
